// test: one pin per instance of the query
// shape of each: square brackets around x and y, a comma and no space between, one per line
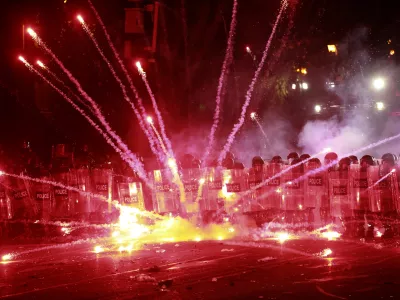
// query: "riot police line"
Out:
[351,192]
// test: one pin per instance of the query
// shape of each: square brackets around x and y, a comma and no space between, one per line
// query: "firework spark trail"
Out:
[323,168]
[249,93]
[156,110]
[96,108]
[262,130]
[224,70]
[135,165]
[123,68]
[122,86]
[55,77]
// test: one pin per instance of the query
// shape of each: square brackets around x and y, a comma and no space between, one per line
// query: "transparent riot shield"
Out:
[22,205]
[234,184]
[63,206]
[339,191]
[256,192]
[101,187]
[212,190]
[193,194]
[79,179]
[359,191]
[272,198]
[293,197]
[384,190]
[165,193]
[5,201]
[130,193]
[41,193]
[316,194]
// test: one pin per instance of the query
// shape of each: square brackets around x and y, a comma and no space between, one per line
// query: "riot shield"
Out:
[384,190]
[41,193]
[5,201]
[212,191]
[79,179]
[22,205]
[234,184]
[272,197]
[339,191]
[256,197]
[359,191]
[193,194]
[101,187]
[165,192]
[316,194]
[63,206]
[130,193]
[293,197]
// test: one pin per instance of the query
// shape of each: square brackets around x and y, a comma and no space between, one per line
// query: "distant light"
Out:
[303,71]
[40,64]
[149,120]
[378,83]
[293,86]
[305,86]
[391,52]
[80,19]
[332,49]
[317,108]
[380,106]
[253,115]
[331,85]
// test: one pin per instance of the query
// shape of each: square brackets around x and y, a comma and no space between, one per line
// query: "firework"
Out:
[249,93]
[157,111]
[224,70]
[96,108]
[122,86]
[132,160]
[119,60]
[253,116]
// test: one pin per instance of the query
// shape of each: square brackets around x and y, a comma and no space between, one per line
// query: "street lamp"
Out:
[378,83]
[293,86]
[305,86]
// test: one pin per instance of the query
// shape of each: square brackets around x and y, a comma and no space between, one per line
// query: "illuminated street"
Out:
[212,270]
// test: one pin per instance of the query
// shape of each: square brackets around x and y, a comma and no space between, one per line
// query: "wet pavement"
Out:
[204,270]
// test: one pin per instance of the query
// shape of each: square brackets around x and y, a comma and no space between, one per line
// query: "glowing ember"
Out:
[98,249]
[331,235]
[40,64]
[202,181]
[248,49]
[149,120]
[6,257]
[66,230]
[326,252]
[31,33]
[80,19]
[22,59]
[378,234]
[253,115]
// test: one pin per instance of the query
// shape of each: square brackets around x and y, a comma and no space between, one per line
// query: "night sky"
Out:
[316,23]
